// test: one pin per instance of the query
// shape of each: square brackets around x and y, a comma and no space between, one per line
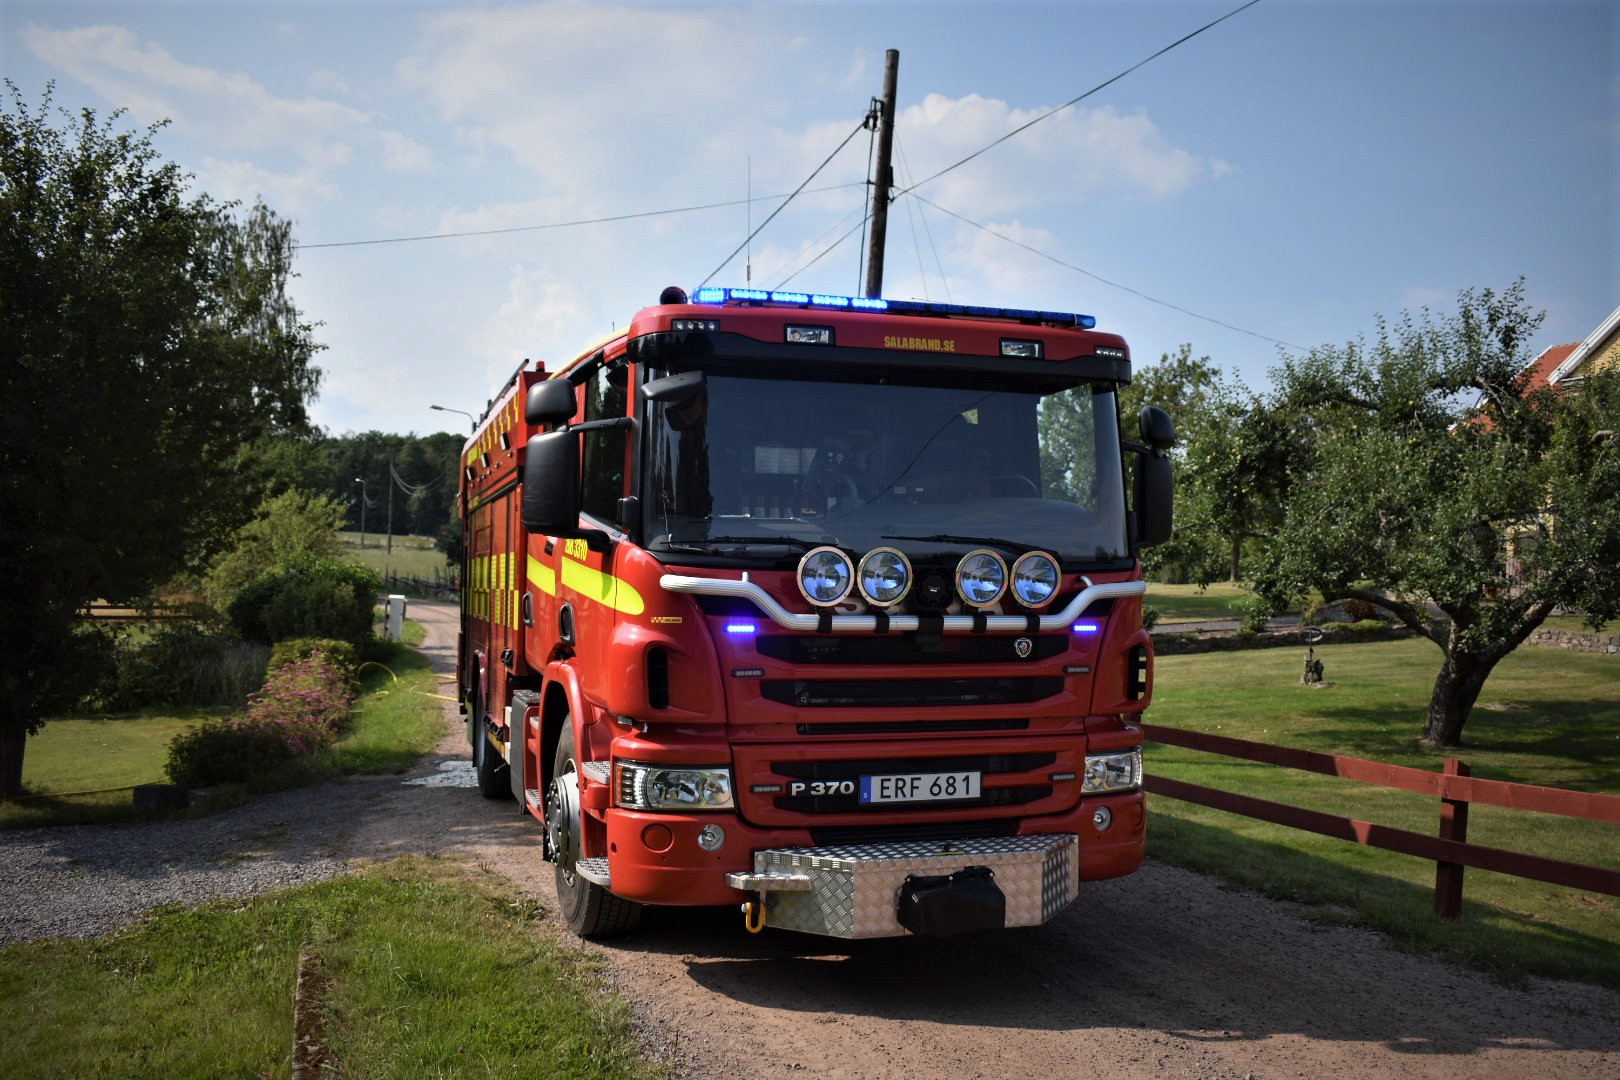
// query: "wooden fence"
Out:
[1455,788]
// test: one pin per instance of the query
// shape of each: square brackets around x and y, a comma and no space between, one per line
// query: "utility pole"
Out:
[883,183]
[392,480]
[364,498]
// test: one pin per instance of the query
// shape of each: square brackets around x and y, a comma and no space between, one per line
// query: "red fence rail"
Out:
[1450,850]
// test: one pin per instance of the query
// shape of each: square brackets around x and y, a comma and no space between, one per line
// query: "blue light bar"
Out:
[1087,627]
[712,295]
[741,628]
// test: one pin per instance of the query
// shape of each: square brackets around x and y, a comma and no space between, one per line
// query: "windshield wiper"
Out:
[952,538]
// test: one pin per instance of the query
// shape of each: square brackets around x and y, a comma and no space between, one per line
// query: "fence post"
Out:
[1448,876]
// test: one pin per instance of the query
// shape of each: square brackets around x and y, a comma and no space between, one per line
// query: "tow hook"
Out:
[754,914]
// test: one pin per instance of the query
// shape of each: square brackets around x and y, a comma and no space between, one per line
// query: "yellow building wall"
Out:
[1605,357]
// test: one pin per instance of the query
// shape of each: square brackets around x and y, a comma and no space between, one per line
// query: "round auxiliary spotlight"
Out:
[884,577]
[1035,578]
[825,576]
[981,578]
[672,294]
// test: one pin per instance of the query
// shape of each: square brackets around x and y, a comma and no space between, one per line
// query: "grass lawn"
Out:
[1191,603]
[396,720]
[425,968]
[1546,717]
[413,556]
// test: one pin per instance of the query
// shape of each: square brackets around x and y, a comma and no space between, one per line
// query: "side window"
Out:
[604,451]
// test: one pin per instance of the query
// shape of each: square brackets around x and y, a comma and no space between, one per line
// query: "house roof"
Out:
[1593,344]
[1538,373]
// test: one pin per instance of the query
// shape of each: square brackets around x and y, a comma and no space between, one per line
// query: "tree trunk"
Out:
[13,742]
[1237,557]
[1462,676]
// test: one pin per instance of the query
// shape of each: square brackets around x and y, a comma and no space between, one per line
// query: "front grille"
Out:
[907,649]
[912,727]
[907,693]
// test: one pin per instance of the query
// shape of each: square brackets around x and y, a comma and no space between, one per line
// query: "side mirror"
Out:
[551,482]
[550,402]
[676,389]
[1153,496]
[1158,430]
[1153,490]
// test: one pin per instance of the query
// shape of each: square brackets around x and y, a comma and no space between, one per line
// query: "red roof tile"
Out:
[1539,370]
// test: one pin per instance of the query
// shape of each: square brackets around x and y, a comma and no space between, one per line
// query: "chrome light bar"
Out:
[808,622]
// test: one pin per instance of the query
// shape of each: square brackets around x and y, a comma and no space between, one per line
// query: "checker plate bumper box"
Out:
[852,891]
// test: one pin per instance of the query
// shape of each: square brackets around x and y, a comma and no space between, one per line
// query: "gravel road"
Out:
[1163,974]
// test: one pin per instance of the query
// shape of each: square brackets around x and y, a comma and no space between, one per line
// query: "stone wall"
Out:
[1563,639]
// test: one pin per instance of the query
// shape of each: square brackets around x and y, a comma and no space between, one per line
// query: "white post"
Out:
[396,617]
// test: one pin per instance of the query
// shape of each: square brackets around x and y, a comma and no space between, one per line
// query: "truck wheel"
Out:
[588,909]
[494,779]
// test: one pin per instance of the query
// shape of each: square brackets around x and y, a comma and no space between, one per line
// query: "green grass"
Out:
[1546,717]
[413,556]
[426,969]
[396,721]
[1192,603]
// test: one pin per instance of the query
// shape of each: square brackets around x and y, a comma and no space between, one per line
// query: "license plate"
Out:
[919,787]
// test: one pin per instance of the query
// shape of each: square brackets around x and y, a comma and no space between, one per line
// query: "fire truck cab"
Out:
[825,606]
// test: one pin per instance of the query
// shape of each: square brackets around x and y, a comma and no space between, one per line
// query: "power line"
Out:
[563,224]
[1075,101]
[834,247]
[858,128]
[1105,281]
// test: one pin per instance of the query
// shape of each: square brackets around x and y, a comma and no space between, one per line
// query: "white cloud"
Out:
[227,111]
[595,100]
[289,193]
[401,153]
[1072,156]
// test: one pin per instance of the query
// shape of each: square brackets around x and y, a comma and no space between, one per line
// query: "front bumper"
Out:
[853,891]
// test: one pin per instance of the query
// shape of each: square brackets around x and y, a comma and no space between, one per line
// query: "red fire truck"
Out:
[827,606]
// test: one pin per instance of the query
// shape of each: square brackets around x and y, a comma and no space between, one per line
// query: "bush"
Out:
[1361,610]
[302,708]
[308,597]
[224,752]
[1255,616]
[340,654]
[179,664]
[308,699]
[1150,617]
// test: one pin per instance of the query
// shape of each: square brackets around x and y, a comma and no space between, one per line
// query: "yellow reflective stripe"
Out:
[601,587]
[542,576]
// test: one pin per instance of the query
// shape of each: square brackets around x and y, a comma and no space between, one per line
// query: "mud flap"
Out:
[952,904]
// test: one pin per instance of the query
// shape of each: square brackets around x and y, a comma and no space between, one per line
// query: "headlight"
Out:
[1114,772]
[825,576]
[981,577]
[884,577]
[1035,578]
[659,787]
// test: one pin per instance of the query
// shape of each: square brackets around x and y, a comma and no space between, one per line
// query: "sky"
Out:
[1277,182]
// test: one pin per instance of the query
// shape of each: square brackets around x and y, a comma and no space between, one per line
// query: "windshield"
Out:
[765,468]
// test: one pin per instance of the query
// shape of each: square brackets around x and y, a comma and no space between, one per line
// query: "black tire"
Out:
[494,776]
[589,910]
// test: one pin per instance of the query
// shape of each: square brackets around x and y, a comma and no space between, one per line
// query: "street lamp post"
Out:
[364,498]
[470,417]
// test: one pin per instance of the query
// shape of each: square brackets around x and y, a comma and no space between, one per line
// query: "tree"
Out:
[286,527]
[1428,482]
[1225,466]
[145,336]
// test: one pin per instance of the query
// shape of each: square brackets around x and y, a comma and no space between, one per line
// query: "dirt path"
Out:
[1163,974]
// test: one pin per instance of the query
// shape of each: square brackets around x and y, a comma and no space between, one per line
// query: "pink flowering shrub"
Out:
[301,709]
